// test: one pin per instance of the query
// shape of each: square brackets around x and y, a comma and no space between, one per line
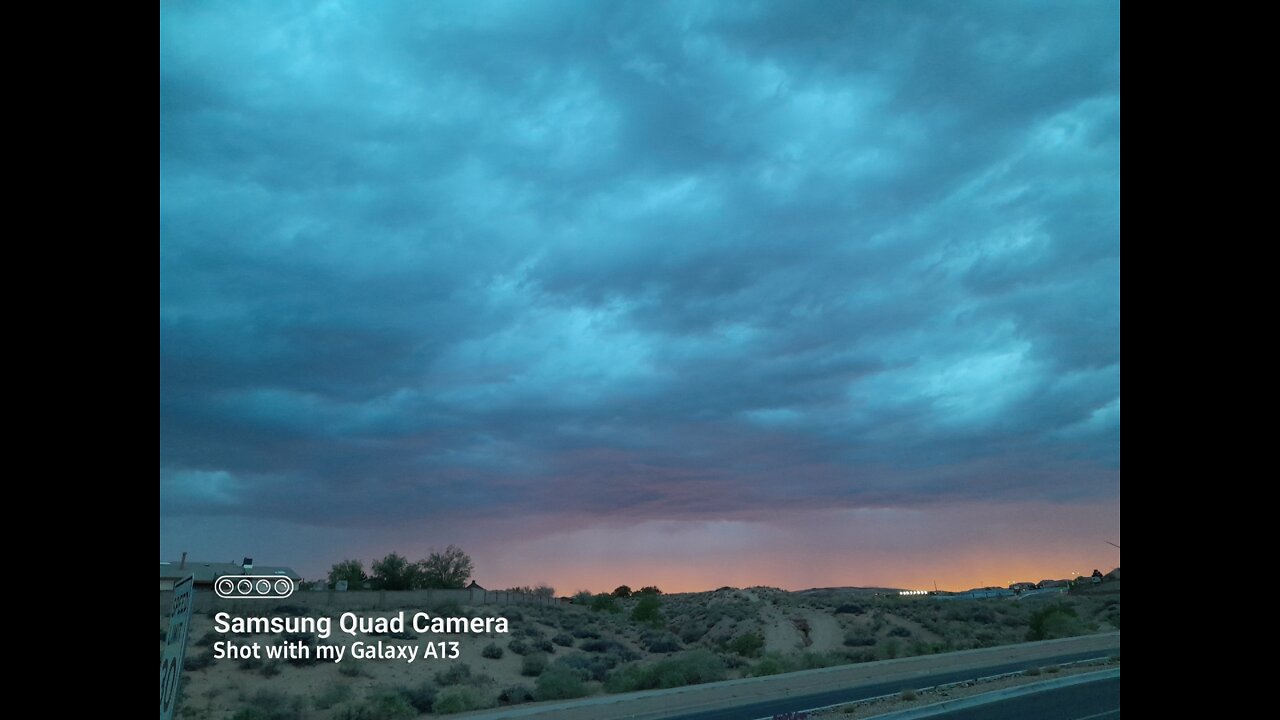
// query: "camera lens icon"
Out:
[253,587]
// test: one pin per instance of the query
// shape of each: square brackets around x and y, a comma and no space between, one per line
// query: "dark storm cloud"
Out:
[682,260]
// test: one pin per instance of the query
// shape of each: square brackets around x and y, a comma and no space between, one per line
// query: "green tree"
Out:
[350,570]
[449,568]
[394,572]
[649,590]
[622,591]
[648,610]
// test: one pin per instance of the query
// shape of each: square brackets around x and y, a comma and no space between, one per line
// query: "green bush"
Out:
[692,668]
[518,647]
[1054,621]
[854,638]
[605,603]
[899,631]
[492,651]
[648,609]
[559,683]
[422,696]
[271,669]
[563,640]
[660,643]
[515,695]
[748,645]
[456,700]
[589,667]
[456,674]
[533,665]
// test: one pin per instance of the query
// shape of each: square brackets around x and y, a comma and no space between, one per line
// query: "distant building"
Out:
[1052,583]
[206,572]
[475,586]
[1022,586]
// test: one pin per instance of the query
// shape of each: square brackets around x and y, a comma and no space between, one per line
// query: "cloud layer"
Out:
[639,262]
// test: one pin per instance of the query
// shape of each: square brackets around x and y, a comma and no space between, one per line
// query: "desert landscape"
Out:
[606,644]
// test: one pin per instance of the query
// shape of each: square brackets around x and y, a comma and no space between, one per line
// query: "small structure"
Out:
[1020,587]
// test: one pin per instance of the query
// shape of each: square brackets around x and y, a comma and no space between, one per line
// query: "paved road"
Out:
[1091,701]
[862,692]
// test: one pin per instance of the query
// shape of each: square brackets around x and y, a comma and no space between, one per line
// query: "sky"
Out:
[687,294]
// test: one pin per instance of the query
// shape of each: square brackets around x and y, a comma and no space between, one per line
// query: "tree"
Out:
[394,572]
[648,610]
[350,570]
[649,590]
[622,591]
[450,568]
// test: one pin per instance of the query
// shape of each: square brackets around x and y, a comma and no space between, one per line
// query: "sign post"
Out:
[175,645]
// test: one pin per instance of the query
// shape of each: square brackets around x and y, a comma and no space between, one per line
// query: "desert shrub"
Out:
[1054,621]
[533,665]
[543,645]
[850,609]
[512,614]
[692,668]
[1031,672]
[456,700]
[747,645]
[421,697]
[890,649]
[860,656]
[332,695]
[899,631]
[200,661]
[351,668]
[205,640]
[773,664]
[250,663]
[492,651]
[908,695]
[692,632]
[589,667]
[600,646]
[307,639]
[584,633]
[515,695]
[273,705]
[559,683]
[563,640]
[455,674]
[1053,669]
[857,639]
[605,603]
[518,646]
[270,669]
[660,643]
